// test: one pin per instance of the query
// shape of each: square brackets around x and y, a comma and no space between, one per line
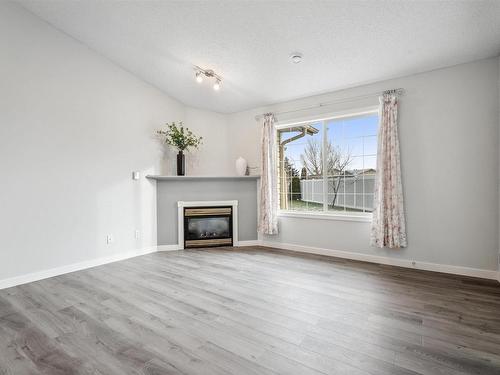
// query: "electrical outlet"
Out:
[137,234]
[109,239]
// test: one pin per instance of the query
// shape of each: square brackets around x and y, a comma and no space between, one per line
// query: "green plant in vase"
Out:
[182,139]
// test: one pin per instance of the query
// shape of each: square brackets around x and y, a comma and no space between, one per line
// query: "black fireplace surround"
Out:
[208,226]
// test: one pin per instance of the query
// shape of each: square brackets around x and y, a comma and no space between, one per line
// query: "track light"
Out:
[199,77]
[217,85]
[202,73]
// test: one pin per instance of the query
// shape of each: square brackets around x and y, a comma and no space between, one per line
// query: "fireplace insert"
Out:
[208,226]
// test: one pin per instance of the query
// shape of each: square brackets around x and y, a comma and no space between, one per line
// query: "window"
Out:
[328,165]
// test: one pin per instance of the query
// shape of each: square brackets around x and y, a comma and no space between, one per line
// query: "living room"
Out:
[254,187]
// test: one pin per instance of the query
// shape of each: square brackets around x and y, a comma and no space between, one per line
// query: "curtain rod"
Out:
[398,92]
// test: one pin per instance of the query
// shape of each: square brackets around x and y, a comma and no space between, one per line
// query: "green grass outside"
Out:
[299,205]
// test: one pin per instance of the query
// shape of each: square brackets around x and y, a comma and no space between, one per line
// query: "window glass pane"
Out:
[356,165]
[300,167]
[368,202]
[370,145]
[349,148]
[356,147]
[370,163]
[352,149]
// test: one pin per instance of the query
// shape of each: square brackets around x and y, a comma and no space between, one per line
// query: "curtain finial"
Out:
[397,92]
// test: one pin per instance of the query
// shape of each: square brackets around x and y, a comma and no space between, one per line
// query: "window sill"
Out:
[366,218]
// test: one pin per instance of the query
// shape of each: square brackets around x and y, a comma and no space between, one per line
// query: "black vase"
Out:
[181,164]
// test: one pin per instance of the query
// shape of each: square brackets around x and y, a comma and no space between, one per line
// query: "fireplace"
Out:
[208,226]
[207,223]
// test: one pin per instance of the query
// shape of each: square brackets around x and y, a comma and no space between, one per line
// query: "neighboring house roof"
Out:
[367,171]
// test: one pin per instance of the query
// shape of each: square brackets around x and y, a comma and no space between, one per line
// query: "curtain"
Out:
[268,209]
[388,225]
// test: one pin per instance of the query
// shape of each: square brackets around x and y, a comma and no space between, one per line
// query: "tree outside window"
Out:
[328,165]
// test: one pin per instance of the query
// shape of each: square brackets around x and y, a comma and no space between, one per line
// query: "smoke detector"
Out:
[296,57]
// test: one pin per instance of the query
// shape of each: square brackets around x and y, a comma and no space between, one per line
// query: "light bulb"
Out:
[217,85]
[199,77]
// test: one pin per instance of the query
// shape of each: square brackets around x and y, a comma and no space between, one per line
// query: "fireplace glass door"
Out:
[208,226]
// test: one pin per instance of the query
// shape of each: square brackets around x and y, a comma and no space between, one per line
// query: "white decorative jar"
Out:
[241,166]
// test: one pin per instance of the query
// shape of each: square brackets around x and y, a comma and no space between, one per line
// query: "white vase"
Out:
[241,166]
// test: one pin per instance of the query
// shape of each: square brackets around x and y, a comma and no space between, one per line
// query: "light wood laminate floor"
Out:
[250,311]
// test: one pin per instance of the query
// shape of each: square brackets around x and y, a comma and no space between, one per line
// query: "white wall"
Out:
[213,156]
[449,134]
[73,127]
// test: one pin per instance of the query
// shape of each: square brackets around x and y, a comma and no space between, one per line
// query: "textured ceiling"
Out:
[345,43]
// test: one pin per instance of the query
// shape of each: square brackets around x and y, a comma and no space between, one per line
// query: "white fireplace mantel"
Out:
[180,217]
[200,178]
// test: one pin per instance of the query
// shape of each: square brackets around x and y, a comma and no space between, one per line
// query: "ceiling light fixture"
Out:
[201,73]
[217,85]
[296,57]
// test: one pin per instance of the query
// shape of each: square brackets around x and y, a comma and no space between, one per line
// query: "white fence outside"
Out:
[355,192]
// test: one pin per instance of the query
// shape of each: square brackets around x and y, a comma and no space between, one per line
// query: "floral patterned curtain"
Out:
[268,214]
[388,226]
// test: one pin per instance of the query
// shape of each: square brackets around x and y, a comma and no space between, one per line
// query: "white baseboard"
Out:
[249,243]
[45,274]
[168,247]
[445,268]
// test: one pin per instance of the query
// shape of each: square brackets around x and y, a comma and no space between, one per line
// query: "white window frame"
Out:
[327,215]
